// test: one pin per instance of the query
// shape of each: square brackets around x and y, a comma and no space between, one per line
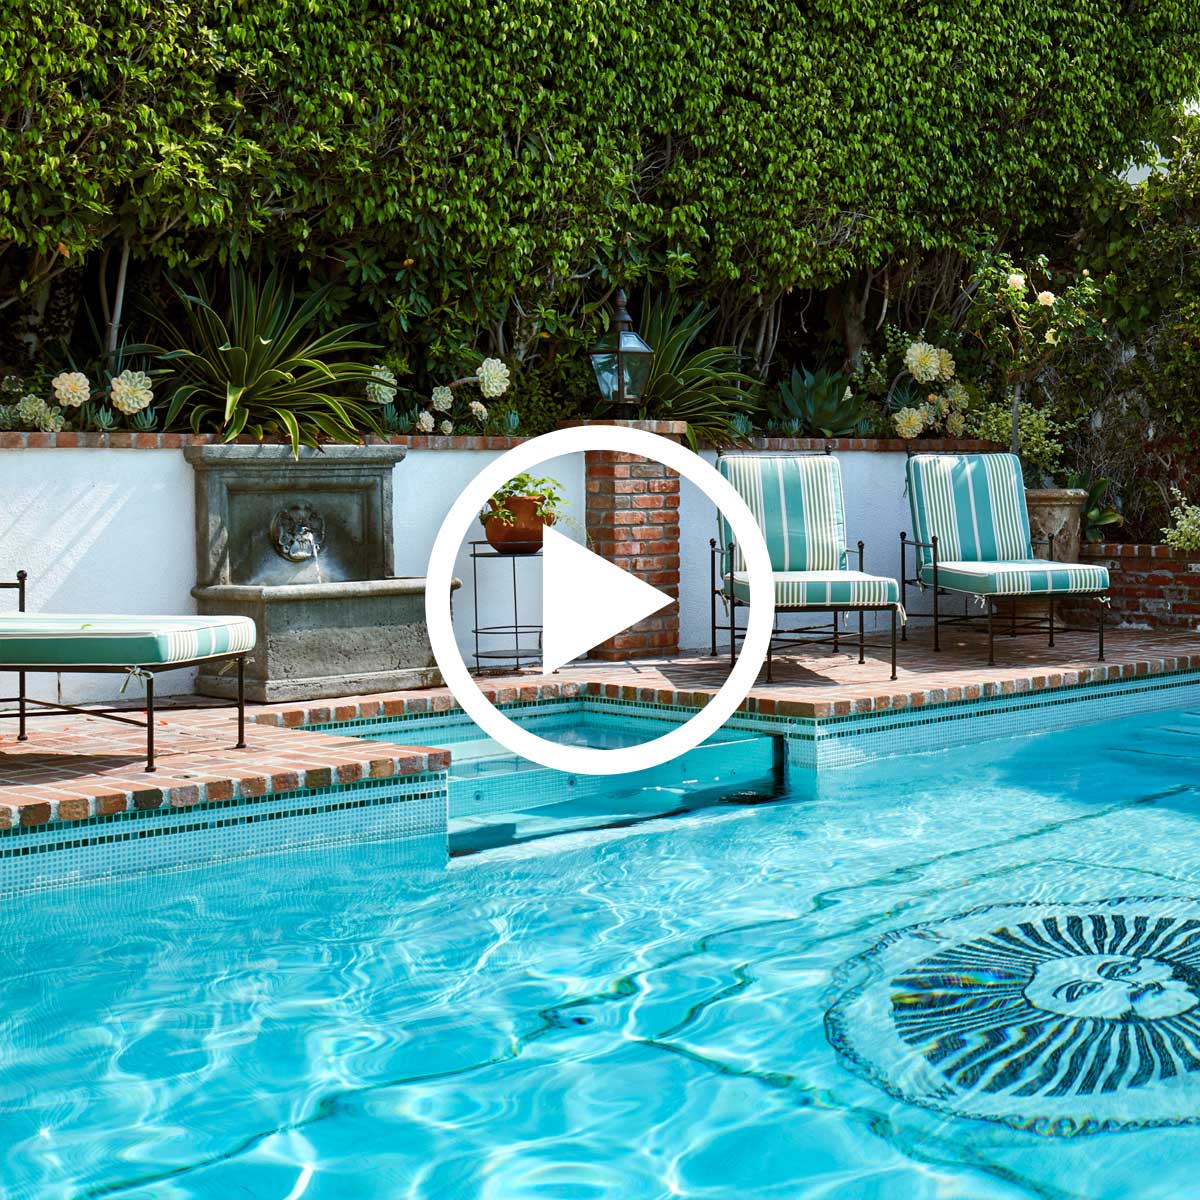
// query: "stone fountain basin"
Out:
[321,640]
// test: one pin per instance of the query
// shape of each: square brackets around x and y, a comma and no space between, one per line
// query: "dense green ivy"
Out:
[477,173]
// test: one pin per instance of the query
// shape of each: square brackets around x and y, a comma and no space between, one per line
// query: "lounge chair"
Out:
[138,647]
[972,537]
[797,501]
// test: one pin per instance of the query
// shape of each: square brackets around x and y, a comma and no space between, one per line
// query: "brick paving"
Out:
[76,767]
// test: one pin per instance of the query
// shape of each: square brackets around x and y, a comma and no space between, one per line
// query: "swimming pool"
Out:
[966,974]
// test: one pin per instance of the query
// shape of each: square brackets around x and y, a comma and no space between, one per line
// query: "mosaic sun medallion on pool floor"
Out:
[1061,1019]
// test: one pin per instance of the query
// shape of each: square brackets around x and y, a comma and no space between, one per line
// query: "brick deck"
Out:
[75,767]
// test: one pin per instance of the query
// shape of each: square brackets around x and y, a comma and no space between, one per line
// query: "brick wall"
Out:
[1154,587]
[633,521]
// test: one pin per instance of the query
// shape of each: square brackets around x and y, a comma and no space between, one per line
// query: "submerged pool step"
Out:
[507,783]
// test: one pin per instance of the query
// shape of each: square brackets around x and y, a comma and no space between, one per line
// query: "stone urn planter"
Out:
[1057,511]
[523,534]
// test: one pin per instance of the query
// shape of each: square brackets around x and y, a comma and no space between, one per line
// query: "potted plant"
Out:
[1023,326]
[519,511]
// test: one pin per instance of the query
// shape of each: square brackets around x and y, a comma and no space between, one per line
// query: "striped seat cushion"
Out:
[1020,577]
[974,504]
[803,589]
[67,640]
[797,501]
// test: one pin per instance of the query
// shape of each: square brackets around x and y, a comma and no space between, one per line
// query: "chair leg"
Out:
[150,723]
[732,635]
[1102,629]
[712,599]
[893,642]
[861,636]
[1050,642]
[22,736]
[241,742]
[991,636]
[835,633]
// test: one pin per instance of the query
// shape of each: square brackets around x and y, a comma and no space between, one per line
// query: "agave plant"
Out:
[816,405]
[257,364]
[705,388]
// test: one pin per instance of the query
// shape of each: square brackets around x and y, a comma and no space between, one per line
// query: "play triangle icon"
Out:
[586,600]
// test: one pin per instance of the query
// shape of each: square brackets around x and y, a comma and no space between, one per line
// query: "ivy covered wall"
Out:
[472,174]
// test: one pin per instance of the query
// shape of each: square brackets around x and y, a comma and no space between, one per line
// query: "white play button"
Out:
[586,600]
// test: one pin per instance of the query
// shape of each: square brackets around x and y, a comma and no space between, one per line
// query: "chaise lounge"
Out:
[972,538]
[797,500]
[138,647]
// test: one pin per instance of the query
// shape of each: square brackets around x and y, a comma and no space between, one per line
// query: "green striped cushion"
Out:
[1030,576]
[802,589]
[797,501]
[973,503]
[66,640]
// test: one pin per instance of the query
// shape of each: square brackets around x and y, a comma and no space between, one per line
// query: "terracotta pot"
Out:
[524,534]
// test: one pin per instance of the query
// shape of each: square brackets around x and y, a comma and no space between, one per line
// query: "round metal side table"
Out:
[518,653]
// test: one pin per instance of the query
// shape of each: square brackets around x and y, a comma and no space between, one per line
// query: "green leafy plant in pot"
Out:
[519,511]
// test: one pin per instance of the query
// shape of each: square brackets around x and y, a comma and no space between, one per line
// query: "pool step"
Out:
[600,811]
[508,783]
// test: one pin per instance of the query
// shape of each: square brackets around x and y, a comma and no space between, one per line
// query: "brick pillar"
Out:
[633,521]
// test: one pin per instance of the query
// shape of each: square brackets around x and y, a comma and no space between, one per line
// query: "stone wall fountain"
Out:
[304,547]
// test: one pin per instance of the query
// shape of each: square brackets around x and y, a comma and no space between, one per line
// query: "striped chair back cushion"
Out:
[973,503]
[797,501]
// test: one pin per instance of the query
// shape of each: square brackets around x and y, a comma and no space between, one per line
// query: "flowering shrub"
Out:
[1040,436]
[1183,533]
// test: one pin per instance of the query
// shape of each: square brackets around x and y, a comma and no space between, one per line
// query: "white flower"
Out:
[71,388]
[382,388]
[922,361]
[1016,281]
[945,365]
[1086,273]
[51,420]
[1046,298]
[1052,337]
[847,394]
[447,428]
[478,410]
[130,391]
[443,399]
[956,424]
[30,409]
[493,378]
[909,422]
[425,422]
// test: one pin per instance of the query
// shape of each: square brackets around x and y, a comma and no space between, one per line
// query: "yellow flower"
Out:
[1046,298]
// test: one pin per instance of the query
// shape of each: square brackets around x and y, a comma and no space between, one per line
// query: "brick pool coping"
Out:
[75,768]
[620,682]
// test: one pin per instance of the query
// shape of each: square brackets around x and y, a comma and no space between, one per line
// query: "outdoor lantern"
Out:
[621,359]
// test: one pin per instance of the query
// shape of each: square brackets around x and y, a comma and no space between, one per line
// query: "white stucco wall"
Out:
[104,530]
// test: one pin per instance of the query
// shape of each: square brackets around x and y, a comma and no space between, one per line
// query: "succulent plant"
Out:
[393,422]
[103,419]
[144,421]
[9,419]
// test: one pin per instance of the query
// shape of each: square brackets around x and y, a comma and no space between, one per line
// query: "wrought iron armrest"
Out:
[856,549]
[17,585]
[1048,542]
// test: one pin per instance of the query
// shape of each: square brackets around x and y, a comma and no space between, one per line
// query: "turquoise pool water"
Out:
[964,975]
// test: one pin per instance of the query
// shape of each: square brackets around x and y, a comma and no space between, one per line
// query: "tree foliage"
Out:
[477,175]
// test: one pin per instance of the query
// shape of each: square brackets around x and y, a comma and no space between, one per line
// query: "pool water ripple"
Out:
[638,1013]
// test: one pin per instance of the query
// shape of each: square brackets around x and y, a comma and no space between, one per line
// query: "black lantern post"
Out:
[621,360]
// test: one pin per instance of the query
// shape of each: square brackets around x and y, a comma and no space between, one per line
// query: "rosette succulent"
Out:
[442,399]
[923,362]
[130,392]
[71,388]
[493,378]
[382,387]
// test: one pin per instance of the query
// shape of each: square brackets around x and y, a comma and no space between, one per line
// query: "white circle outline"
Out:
[584,760]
